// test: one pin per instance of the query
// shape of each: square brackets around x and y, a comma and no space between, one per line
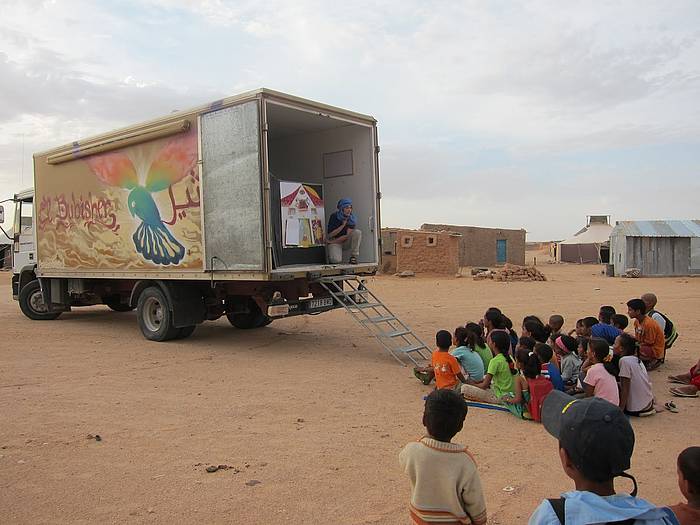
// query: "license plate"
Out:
[321,303]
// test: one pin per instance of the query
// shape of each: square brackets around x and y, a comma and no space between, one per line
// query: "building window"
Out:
[407,241]
[431,240]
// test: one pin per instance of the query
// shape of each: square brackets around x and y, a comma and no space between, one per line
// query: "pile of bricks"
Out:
[512,272]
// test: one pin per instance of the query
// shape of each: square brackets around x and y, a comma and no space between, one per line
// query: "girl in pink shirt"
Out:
[599,382]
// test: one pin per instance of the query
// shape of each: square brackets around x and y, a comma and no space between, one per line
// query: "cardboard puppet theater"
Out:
[302,213]
[300,229]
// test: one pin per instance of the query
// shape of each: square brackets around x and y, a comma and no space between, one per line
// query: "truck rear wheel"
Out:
[120,307]
[31,302]
[252,319]
[154,316]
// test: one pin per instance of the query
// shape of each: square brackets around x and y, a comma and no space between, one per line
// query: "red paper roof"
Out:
[315,198]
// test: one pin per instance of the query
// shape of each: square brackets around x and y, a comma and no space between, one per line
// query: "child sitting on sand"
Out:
[620,321]
[599,382]
[549,369]
[475,341]
[498,380]
[471,362]
[530,388]
[648,334]
[445,484]
[555,324]
[690,382]
[689,484]
[444,367]
[580,330]
[570,363]
[636,397]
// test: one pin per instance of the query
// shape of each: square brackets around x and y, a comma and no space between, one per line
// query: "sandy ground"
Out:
[309,412]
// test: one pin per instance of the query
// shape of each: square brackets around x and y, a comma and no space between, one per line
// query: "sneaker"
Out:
[423,377]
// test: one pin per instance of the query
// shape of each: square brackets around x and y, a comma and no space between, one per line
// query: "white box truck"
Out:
[216,211]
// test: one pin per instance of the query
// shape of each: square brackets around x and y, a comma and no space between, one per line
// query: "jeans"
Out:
[352,244]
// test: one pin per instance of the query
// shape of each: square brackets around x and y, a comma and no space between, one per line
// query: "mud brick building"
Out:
[420,251]
[485,246]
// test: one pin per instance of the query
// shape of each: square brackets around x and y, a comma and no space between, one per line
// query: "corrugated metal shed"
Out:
[658,228]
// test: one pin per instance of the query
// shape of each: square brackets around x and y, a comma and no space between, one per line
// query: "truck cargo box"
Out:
[239,189]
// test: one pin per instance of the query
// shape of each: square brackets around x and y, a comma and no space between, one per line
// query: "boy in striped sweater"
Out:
[445,484]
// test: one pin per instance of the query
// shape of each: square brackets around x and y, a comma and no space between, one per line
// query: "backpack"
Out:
[670,333]
[558,507]
[539,388]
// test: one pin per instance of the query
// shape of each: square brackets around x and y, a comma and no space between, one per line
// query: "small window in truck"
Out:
[407,241]
[431,240]
[337,164]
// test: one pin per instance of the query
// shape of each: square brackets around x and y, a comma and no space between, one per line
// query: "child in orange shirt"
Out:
[648,334]
[444,367]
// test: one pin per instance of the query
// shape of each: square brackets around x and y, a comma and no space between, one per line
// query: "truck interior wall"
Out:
[299,158]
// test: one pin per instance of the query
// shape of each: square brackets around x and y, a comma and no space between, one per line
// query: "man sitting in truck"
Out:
[343,234]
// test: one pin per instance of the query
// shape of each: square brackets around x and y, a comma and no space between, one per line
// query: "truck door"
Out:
[23,246]
[231,188]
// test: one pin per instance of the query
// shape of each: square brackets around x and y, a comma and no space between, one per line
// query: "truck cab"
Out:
[25,286]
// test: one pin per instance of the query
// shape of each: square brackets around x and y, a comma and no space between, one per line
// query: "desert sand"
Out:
[309,413]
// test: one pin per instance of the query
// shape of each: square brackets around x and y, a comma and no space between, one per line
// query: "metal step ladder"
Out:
[395,336]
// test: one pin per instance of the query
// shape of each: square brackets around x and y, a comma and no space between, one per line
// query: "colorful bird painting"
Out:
[176,160]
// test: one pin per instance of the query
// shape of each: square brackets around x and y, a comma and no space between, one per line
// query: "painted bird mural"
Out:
[176,160]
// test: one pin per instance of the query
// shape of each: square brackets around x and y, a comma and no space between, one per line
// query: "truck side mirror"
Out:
[2,214]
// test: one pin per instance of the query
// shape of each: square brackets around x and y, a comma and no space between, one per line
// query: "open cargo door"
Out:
[231,187]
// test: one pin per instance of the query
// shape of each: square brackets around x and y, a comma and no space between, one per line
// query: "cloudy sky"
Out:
[502,113]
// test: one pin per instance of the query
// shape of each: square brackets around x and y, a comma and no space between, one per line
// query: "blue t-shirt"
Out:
[471,362]
[555,376]
[605,331]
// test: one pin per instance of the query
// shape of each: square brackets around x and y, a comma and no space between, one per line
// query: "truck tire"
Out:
[253,319]
[154,315]
[120,307]
[32,304]
[185,331]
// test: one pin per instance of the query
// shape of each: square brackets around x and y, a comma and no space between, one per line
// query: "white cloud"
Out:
[449,82]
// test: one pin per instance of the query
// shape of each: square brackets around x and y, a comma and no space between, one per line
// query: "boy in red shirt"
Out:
[648,334]
[444,367]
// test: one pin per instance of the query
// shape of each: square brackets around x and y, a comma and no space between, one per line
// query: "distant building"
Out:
[486,246]
[419,251]
[591,244]
[656,247]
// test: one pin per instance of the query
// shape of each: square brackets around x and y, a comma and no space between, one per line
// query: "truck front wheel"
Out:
[31,302]
[154,315]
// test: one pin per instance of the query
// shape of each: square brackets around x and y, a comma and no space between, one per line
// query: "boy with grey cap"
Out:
[595,446]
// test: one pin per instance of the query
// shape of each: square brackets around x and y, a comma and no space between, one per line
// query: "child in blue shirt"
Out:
[549,369]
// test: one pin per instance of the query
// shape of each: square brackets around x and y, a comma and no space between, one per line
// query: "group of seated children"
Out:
[595,442]
[491,364]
